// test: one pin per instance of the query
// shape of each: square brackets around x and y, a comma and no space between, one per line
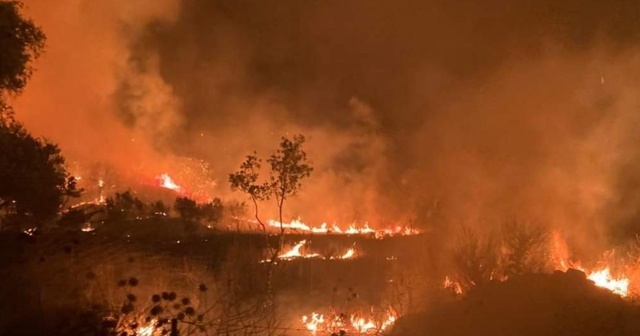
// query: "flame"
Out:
[165,181]
[452,285]
[357,324]
[148,329]
[311,323]
[88,228]
[349,254]
[602,278]
[352,229]
[295,252]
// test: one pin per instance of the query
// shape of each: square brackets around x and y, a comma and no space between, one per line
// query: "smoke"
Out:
[487,111]
[73,98]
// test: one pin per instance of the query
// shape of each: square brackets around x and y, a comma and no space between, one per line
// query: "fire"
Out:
[88,228]
[603,278]
[356,324]
[349,254]
[147,330]
[295,252]
[165,181]
[452,285]
[352,229]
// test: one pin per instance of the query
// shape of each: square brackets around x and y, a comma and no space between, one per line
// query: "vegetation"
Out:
[21,42]
[289,166]
[34,182]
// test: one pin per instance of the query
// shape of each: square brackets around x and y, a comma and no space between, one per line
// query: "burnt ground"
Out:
[55,279]
[540,304]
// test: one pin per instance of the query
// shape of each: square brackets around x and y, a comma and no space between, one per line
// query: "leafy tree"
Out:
[188,211]
[235,212]
[159,209]
[124,206]
[186,208]
[211,211]
[33,179]
[21,42]
[288,168]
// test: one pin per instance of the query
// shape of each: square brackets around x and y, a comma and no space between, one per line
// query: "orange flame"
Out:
[352,229]
[356,324]
[296,253]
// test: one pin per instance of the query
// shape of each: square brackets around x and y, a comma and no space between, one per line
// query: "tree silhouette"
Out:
[21,42]
[288,167]
[33,178]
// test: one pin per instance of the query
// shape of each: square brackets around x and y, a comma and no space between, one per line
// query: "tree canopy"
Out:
[33,177]
[288,167]
[21,42]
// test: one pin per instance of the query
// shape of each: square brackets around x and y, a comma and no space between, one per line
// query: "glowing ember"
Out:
[298,225]
[452,285]
[88,228]
[30,232]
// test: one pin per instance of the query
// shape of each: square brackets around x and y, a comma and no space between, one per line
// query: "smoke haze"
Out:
[443,112]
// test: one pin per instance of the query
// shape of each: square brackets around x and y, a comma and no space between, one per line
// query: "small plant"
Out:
[167,313]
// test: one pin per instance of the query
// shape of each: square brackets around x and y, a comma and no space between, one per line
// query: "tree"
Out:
[188,211]
[124,206]
[33,178]
[21,42]
[159,209]
[212,211]
[289,166]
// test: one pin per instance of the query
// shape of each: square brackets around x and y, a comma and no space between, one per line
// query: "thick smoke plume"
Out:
[436,112]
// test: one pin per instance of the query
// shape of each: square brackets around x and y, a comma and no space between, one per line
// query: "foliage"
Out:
[159,209]
[33,179]
[21,42]
[186,208]
[289,166]
[124,206]
[166,312]
[235,213]
[211,212]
